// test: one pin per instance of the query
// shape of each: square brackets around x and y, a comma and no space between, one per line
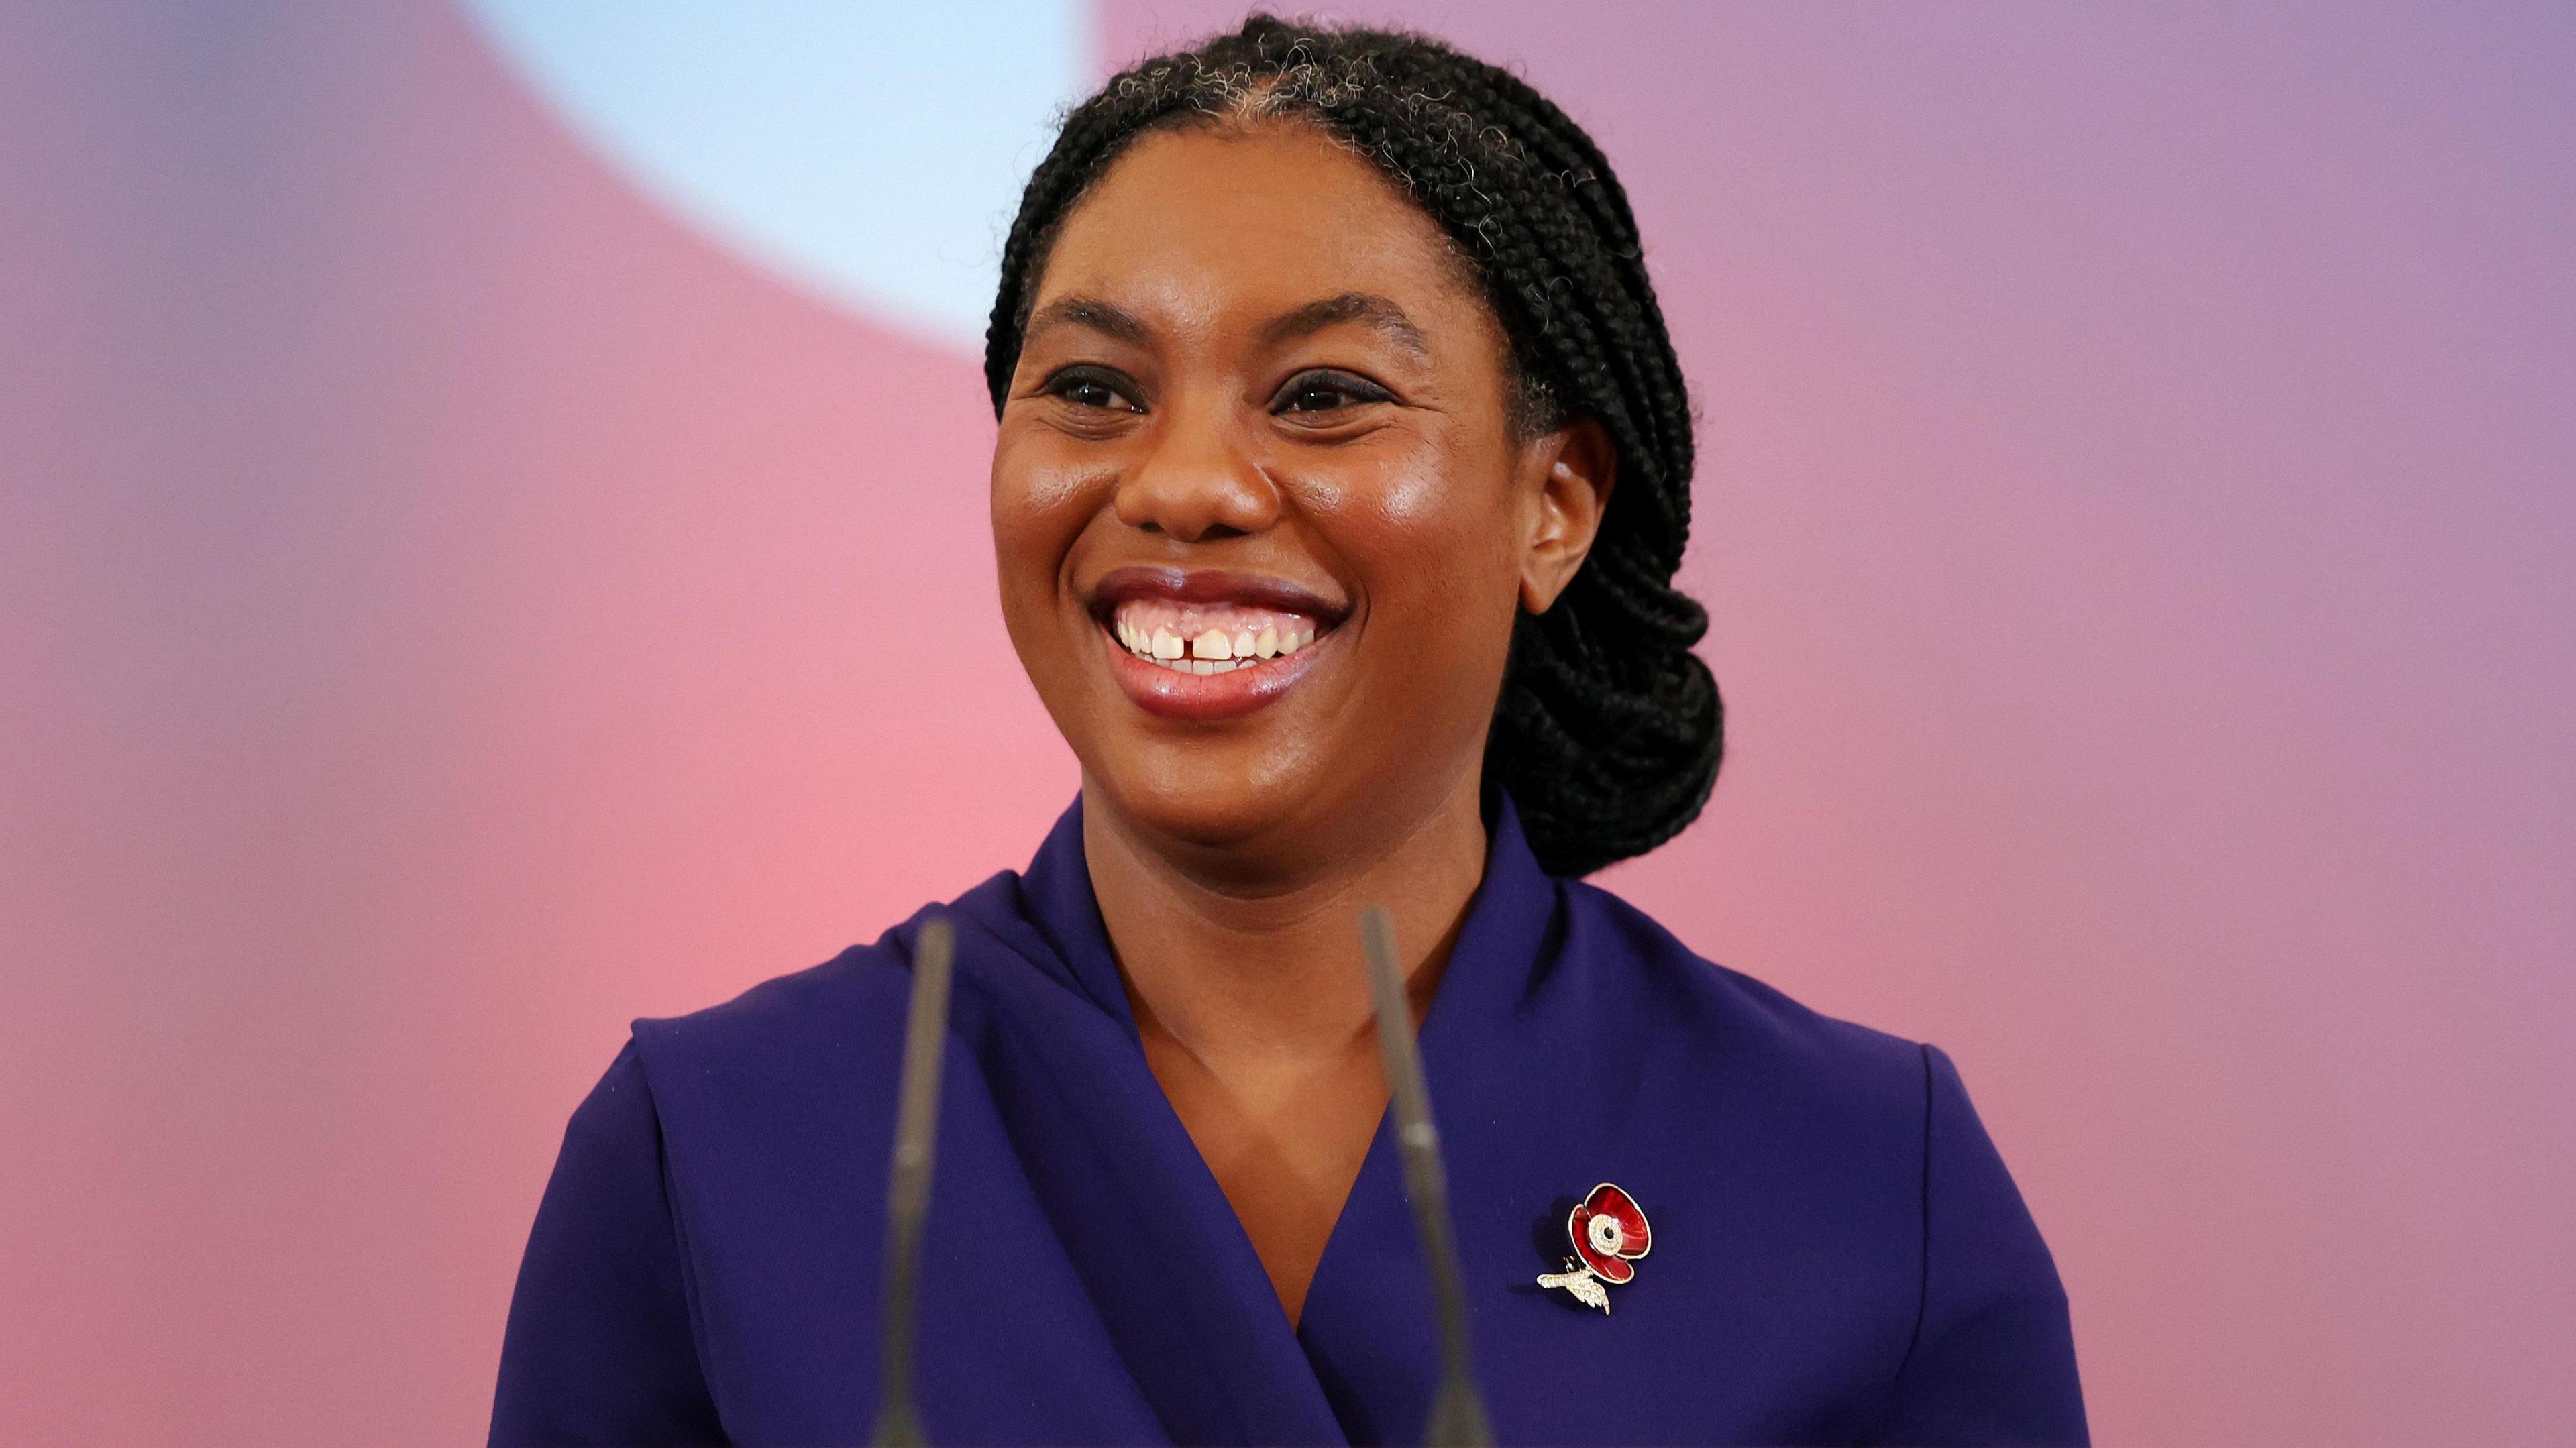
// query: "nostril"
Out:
[1210,533]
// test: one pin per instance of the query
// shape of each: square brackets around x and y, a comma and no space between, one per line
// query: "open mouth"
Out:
[1209,644]
[1195,638]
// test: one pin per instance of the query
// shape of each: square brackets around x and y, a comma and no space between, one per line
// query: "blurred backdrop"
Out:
[492,545]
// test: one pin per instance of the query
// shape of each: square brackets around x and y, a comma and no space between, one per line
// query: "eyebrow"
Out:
[1090,312]
[1377,312]
[1111,320]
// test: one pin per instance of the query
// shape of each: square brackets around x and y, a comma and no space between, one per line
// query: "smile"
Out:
[1205,645]
[1190,638]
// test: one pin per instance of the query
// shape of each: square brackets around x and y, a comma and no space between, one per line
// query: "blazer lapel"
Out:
[1148,1230]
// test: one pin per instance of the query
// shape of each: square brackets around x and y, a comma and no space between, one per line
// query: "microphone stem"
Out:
[908,1184]
[1458,1418]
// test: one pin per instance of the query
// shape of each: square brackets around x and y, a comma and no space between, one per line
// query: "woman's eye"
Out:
[1090,389]
[1328,392]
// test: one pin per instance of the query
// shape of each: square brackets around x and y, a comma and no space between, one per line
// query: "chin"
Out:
[1214,796]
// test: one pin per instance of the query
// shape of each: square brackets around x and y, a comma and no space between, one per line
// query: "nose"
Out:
[1195,481]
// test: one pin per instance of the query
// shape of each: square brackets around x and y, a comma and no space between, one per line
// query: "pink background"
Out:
[448,608]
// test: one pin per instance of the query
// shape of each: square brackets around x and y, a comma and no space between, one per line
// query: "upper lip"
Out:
[1212,585]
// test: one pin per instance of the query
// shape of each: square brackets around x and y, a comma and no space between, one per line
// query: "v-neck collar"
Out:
[1507,917]
[1240,1373]
[1369,1329]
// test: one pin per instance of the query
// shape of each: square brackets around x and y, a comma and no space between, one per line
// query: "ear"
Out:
[1570,470]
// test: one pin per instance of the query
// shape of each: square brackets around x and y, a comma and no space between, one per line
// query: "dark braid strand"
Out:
[1608,732]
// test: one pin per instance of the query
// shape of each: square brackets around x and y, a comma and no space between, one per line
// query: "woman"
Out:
[1342,472]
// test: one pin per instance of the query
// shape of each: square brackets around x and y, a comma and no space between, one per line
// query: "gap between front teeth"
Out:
[1212,651]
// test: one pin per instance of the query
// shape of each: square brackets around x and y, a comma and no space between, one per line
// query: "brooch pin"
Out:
[1609,1232]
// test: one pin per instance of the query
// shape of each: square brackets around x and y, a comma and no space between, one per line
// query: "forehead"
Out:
[1211,223]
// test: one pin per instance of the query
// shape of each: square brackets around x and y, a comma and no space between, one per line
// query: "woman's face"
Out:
[1261,519]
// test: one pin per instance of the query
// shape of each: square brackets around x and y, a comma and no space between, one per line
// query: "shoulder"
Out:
[1857,1184]
[1712,1020]
[788,1038]
[780,1031]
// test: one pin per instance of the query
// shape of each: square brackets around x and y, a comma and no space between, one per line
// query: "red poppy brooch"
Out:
[1609,1233]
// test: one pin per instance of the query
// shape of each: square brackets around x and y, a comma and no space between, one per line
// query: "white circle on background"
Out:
[869,153]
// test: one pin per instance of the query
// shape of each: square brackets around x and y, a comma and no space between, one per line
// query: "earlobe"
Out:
[1576,465]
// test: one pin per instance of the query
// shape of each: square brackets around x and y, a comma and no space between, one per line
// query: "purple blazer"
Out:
[1838,1254]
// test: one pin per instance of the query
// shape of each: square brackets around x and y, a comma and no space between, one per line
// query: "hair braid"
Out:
[1608,731]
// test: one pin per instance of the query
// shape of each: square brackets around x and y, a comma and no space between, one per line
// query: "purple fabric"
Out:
[1839,1254]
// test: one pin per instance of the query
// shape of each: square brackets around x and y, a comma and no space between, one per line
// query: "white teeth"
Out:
[1208,650]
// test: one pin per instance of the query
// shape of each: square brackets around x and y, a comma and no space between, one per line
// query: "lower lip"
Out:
[1205,697]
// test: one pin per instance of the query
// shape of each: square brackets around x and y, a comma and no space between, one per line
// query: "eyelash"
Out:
[1063,385]
[1354,391]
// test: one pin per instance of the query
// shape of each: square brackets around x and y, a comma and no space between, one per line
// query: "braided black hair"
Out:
[1607,734]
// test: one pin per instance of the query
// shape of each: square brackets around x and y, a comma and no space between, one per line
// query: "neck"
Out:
[1235,970]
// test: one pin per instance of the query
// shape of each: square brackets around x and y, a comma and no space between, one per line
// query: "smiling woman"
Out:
[1341,475]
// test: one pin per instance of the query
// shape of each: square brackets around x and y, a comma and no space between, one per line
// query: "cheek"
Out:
[1420,491]
[1430,530]
[1041,487]
[1040,505]
[1419,501]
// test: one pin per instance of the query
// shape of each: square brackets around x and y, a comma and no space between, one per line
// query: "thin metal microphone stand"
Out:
[916,1145]
[1458,1418]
